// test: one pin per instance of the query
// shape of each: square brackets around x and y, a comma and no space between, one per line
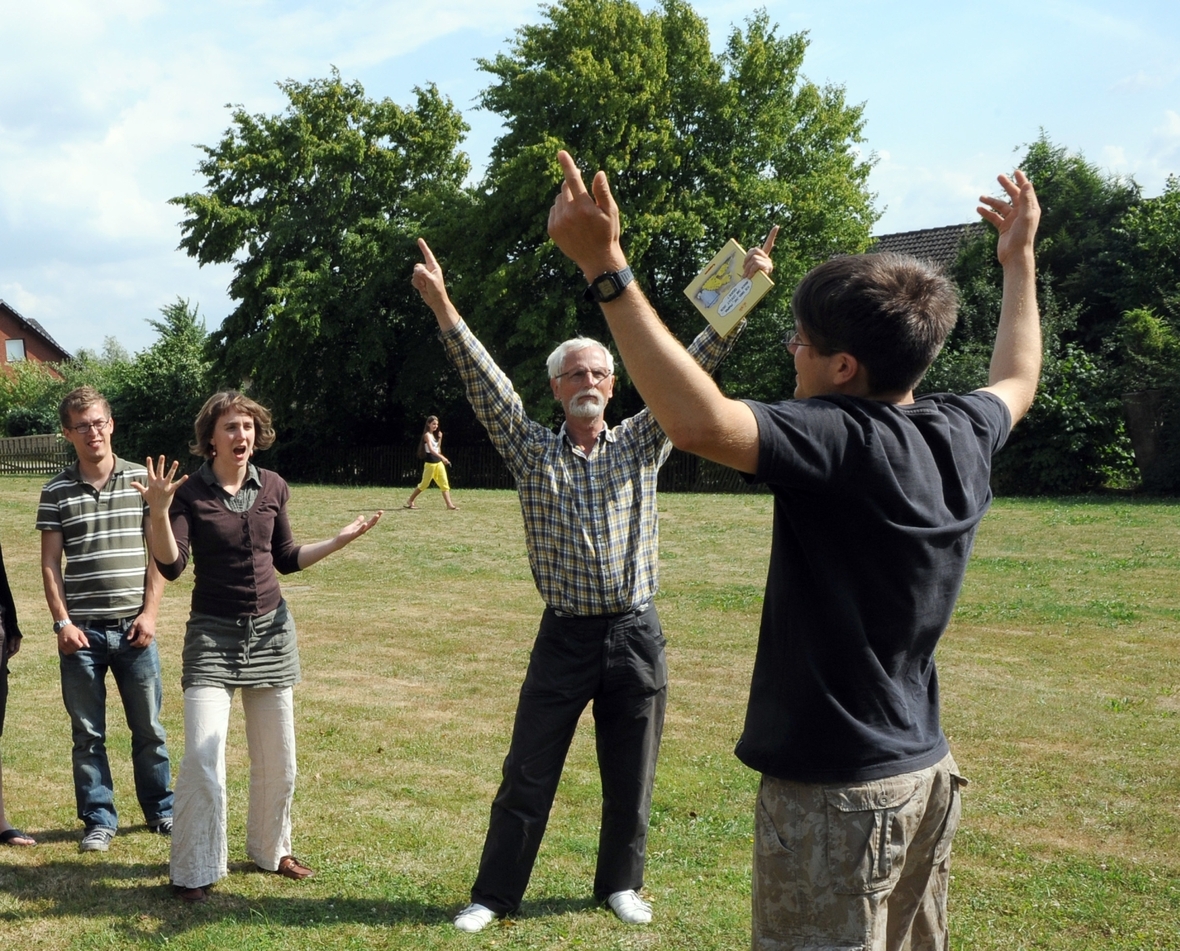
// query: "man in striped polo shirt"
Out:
[104,614]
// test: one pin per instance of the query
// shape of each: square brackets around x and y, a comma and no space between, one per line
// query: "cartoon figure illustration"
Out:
[718,282]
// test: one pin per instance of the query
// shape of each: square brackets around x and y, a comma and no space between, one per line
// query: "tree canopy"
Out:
[318,208]
[1109,294]
[156,396]
[699,148]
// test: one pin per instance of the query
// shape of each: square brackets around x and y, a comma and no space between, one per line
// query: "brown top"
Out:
[235,554]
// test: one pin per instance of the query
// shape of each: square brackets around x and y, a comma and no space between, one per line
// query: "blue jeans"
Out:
[84,690]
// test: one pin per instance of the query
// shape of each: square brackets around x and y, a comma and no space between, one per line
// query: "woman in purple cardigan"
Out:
[232,518]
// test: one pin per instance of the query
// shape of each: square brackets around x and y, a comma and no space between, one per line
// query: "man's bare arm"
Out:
[1016,358]
[143,628]
[71,637]
[685,401]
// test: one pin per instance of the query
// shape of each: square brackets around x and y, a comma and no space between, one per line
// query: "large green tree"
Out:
[1110,291]
[699,147]
[1151,228]
[318,208]
[156,396]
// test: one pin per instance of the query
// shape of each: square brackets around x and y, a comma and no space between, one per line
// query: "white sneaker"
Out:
[630,908]
[476,917]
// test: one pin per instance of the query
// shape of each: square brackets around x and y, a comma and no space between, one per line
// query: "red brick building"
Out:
[25,339]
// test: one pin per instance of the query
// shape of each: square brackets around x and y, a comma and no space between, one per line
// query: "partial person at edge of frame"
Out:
[434,468]
[600,639]
[10,638]
[232,518]
[877,497]
[104,604]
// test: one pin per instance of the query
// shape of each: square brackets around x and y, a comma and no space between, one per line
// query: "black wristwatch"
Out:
[606,287]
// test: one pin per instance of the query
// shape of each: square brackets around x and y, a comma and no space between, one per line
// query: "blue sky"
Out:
[103,103]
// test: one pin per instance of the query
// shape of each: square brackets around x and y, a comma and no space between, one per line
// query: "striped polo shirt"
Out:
[102,533]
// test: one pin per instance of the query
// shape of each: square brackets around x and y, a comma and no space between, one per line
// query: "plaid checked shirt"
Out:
[590,522]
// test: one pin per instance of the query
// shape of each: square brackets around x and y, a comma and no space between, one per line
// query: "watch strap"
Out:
[606,287]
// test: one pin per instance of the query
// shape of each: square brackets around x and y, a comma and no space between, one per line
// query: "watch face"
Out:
[605,287]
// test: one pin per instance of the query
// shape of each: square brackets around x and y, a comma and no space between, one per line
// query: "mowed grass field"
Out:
[1061,694]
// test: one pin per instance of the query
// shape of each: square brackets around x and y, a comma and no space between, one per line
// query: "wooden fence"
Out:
[35,455]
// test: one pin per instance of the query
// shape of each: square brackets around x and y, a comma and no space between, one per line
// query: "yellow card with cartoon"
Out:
[722,294]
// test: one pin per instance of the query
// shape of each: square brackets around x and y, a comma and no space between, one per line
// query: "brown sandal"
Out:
[290,867]
[194,896]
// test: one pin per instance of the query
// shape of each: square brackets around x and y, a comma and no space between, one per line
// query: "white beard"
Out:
[587,408]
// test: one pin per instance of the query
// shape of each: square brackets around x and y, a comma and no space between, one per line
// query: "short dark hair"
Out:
[890,311]
[217,406]
[79,401]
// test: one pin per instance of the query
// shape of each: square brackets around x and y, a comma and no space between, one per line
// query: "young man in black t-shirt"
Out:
[877,498]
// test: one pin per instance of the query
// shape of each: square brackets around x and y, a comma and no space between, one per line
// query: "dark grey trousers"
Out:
[617,663]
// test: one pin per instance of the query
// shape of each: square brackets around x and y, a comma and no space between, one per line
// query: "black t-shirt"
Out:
[875,511]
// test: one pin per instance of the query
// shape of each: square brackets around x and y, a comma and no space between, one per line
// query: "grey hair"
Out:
[557,357]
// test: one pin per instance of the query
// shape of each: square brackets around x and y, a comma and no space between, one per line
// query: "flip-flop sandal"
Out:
[9,837]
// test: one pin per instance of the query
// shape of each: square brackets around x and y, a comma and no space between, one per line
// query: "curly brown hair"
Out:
[218,405]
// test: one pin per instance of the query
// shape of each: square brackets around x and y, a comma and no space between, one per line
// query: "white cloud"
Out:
[1170,128]
[21,300]
[1139,81]
[1163,154]
[1115,158]
[924,196]
[1098,23]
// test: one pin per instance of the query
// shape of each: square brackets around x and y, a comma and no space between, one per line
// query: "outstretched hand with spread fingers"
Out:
[160,488]
[1015,219]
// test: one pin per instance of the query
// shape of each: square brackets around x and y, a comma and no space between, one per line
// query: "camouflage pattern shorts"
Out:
[862,867]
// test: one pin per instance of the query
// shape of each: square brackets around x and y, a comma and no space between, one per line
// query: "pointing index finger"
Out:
[768,244]
[427,254]
[573,175]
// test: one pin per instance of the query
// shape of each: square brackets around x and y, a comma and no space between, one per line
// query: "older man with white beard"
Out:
[588,495]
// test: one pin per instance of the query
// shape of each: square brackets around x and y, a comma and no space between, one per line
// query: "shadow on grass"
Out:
[553,907]
[138,902]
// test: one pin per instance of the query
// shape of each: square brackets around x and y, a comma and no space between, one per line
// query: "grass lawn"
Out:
[1061,695]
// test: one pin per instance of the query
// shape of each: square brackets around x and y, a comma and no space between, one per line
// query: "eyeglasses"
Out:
[83,428]
[792,342]
[593,376]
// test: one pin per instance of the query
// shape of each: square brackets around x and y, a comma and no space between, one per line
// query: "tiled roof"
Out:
[36,328]
[939,246]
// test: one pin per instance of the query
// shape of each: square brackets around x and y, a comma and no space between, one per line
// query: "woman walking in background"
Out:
[435,469]
[232,518]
